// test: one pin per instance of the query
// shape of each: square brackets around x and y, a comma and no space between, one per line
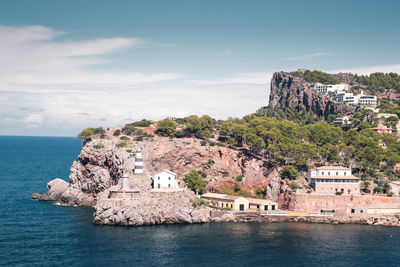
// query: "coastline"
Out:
[379,220]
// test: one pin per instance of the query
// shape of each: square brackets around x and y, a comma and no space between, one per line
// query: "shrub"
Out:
[239,178]
[122,144]
[142,123]
[197,202]
[129,129]
[338,193]
[86,132]
[124,138]
[99,146]
[203,174]
[288,172]
[188,161]
[203,142]
[179,134]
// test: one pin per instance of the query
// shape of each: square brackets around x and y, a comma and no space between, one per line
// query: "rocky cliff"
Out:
[102,162]
[290,90]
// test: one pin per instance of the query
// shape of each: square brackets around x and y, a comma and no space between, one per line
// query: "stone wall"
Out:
[341,204]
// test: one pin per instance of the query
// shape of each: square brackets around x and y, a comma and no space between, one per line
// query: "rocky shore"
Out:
[382,220]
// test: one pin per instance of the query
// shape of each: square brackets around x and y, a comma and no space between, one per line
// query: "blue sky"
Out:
[65,65]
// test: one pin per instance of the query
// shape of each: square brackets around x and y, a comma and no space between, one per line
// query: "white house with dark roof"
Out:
[333,179]
[165,180]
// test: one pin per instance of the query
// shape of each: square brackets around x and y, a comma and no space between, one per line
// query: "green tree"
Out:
[288,172]
[194,182]
[86,132]
[166,127]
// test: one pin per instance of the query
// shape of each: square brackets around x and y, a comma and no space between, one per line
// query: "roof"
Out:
[220,196]
[333,168]
[259,201]
[349,177]
[167,172]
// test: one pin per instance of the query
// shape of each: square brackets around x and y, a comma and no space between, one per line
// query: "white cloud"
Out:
[305,57]
[47,83]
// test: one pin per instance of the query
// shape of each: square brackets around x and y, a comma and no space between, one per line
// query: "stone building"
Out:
[333,179]
[239,203]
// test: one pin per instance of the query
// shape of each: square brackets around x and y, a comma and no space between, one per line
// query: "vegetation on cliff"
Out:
[379,81]
[288,143]
[317,76]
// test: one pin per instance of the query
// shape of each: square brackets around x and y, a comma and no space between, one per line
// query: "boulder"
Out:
[36,196]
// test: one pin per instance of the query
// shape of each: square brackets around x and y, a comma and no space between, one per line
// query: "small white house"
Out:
[165,179]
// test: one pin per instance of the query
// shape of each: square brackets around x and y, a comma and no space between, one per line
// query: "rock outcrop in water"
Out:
[290,90]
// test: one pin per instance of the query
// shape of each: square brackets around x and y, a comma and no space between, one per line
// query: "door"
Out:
[241,207]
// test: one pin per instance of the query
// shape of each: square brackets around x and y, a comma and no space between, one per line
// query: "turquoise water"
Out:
[36,233]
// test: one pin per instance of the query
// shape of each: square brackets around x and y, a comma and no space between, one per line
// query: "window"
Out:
[169,185]
[361,211]
[159,186]
[231,205]
[258,206]
[337,173]
[322,173]
[158,177]
[273,207]
[353,211]
[329,173]
[266,207]
[169,178]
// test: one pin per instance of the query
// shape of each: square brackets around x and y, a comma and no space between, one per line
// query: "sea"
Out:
[34,233]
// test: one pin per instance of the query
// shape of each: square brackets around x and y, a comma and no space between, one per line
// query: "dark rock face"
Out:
[289,90]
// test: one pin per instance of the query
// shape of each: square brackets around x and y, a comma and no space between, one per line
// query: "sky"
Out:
[68,65]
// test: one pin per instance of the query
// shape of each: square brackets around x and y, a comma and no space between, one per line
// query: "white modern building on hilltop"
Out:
[327,88]
[165,180]
[340,93]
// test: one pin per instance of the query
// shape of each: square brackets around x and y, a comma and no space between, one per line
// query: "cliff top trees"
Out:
[199,127]
[318,76]
[166,127]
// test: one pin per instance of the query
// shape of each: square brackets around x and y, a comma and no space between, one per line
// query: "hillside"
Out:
[263,154]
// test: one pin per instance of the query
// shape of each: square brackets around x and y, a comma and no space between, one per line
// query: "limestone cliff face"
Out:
[101,164]
[149,208]
[289,90]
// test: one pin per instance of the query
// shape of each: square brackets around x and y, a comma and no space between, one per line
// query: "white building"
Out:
[327,88]
[164,180]
[367,100]
[345,120]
